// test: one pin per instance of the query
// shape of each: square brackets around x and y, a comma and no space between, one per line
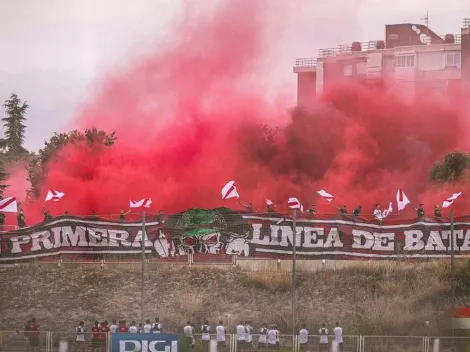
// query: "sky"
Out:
[54,53]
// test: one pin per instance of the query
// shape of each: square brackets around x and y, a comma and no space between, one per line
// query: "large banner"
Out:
[225,232]
[125,342]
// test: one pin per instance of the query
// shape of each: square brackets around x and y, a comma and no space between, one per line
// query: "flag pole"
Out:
[452,272]
[294,230]
[143,270]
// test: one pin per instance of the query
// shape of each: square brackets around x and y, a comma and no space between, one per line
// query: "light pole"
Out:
[143,271]
[294,230]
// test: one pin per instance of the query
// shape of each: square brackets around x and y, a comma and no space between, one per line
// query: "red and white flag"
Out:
[9,205]
[55,196]
[402,200]
[230,191]
[294,203]
[448,202]
[144,203]
[329,197]
[387,211]
[269,202]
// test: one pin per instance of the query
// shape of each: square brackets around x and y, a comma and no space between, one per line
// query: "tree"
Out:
[15,128]
[453,168]
[3,176]
[93,138]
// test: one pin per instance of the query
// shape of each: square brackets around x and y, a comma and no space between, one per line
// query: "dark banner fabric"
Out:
[225,232]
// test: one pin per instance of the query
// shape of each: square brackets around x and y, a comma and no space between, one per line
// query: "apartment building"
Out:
[412,58]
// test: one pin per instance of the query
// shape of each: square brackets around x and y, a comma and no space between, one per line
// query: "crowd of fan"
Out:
[268,336]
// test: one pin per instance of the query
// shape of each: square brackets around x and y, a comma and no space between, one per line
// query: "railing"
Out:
[306,62]
[48,341]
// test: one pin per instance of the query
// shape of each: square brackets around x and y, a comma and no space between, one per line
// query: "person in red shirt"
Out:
[122,326]
[104,335]
[95,337]
[33,331]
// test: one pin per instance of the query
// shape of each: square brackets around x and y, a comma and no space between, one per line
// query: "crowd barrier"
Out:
[49,341]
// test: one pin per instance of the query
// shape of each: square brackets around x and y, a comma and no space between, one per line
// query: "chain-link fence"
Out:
[393,344]
[350,343]
[19,341]
[85,342]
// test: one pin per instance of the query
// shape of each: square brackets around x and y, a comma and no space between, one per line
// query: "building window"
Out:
[361,68]
[453,59]
[347,70]
[405,61]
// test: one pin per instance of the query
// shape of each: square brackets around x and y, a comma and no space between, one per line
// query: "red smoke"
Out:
[188,119]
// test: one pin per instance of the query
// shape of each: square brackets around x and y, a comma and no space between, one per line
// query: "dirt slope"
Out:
[379,298]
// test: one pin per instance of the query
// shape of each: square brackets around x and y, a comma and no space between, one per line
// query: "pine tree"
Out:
[3,176]
[15,128]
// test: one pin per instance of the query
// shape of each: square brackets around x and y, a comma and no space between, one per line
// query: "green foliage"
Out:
[3,176]
[37,169]
[15,111]
[462,280]
[453,168]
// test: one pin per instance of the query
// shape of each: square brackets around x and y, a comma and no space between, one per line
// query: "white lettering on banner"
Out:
[333,237]
[66,237]
[41,237]
[138,240]
[358,236]
[434,242]
[118,236]
[313,237]
[276,232]
[257,236]
[466,242]
[413,240]
[16,243]
[384,242]
[98,237]
[458,234]
[146,346]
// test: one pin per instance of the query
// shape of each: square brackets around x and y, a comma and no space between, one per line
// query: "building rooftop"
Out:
[396,35]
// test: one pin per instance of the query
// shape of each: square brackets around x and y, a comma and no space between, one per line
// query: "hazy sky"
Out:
[52,51]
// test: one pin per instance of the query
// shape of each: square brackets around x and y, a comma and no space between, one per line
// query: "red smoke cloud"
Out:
[188,119]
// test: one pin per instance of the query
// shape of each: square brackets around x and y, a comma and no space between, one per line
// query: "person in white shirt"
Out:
[272,338]
[220,334]
[241,336]
[303,337]
[323,332]
[80,337]
[249,334]
[263,332]
[133,328]
[378,213]
[188,332]
[114,327]
[205,332]
[338,331]
[147,327]
[157,327]
[278,338]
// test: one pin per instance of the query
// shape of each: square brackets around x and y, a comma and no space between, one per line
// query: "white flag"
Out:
[448,202]
[145,203]
[55,196]
[9,205]
[329,197]
[230,191]
[387,211]
[402,200]
[294,203]
[269,203]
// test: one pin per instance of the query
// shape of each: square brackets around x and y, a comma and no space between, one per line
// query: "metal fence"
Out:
[49,341]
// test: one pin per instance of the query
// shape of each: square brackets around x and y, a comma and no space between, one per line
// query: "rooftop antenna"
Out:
[426,19]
